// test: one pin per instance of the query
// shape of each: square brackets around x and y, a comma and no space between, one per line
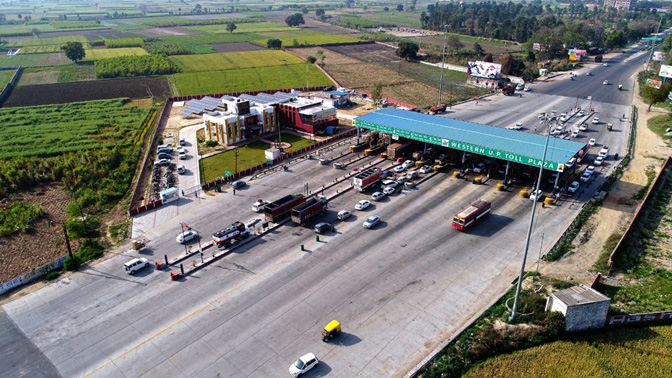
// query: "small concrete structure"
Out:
[584,308]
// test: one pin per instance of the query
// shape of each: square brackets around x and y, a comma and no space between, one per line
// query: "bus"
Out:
[472,214]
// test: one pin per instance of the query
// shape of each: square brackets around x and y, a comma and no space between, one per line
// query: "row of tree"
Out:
[131,66]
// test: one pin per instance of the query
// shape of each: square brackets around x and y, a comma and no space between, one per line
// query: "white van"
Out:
[135,265]
[259,206]
[164,149]
[412,175]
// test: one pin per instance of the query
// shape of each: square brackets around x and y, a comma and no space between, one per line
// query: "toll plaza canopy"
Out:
[520,147]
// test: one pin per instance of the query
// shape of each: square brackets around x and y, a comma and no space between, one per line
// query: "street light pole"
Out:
[81,214]
[529,229]
[443,61]
[653,45]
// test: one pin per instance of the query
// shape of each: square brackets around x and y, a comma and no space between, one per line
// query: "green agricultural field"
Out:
[24,60]
[57,41]
[53,129]
[57,74]
[96,54]
[40,49]
[408,18]
[11,30]
[227,61]
[204,39]
[249,79]
[5,77]
[635,352]
[311,40]
[257,27]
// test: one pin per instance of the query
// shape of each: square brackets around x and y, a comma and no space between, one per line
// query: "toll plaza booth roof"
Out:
[495,142]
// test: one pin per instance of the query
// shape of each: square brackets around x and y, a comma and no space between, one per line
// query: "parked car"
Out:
[238,184]
[385,173]
[591,142]
[181,169]
[517,126]
[377,196]
[135,265]
[323,227]
[573,187]
[162,162]
[480,168]
[590,169]
[585,176]
[185,236]
[343,214]
[425,169]
[164,155]
[371,221]
[182,156]
[303,364]
[363,204]
[183,142]
[399,169]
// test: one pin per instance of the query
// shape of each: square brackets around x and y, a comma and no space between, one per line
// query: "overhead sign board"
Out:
[484,69]
[457,145]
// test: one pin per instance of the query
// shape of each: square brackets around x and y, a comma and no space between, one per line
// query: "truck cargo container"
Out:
[397,150]
[313,206]
[365,178]
[277,210]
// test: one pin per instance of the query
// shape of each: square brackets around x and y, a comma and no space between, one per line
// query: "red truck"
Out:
[281,208]
[440,108]
[472,214]
[365,178]
[313,206]
[237,231]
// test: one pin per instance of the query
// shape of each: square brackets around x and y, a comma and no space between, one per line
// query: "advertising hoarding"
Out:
[484,69]
[665,71]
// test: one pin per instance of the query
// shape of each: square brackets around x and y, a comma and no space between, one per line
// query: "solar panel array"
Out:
[199,106]
[266,98]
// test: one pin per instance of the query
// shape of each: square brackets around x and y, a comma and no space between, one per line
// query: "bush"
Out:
[72,264]
[52,275]
[211,143]
[90,250]
[554,325]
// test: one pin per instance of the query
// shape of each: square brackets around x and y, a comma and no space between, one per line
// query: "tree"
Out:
[652,95]
[230,27]
[321,56]
[455,43]
[74,51]
[349,3]
[304,10]
[666,46]
[407,50]
[386,9]
[377,90]
[320,12]
[295,20]
[311,59]
[400,8]
[275,44]
[487,58]
[478,50]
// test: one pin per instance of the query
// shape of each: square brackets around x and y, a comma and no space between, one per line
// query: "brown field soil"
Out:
[235,47]
[57,59]
[356,74]
[61,93]
[142,103]
[313,25]
[36,78]
[157,32]
[489,48]
[21,253]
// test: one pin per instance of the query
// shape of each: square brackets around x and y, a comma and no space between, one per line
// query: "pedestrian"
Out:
[234,191]
[543,205]
[182,192]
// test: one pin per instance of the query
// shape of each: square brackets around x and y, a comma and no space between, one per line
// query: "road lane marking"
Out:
[197,311]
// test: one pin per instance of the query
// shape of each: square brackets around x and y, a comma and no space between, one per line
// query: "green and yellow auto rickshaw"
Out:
[331,330]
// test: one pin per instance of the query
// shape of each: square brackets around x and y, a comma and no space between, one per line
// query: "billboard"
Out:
[484,69]
[657,56]
[665,71]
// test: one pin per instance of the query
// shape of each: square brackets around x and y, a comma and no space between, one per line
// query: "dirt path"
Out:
[619,207]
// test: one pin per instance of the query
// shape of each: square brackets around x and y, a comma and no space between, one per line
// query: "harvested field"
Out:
[57,59]
[235,47]
[37,78]
[32,95]
[20,253]
[158,32]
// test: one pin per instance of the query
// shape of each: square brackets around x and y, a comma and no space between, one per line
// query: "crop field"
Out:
[24,60]
[96,54]
[123,42]
[235,46]
[600,355]
[5,77]
[11,30]
[248,79]
[40,49]
[257,27]
[57,74]
[52,129]
[311,40]
[57,41]
[201,39]
[227,61]
[398,18]
[62,93]
[491,46]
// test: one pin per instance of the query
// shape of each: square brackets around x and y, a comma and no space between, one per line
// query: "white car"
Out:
[185,236]
[479,168]
[586,176]
[596,120]
[527,89]
[388,191]
[363,204]
[408,164]
[590,169]
[581,113]
[517,126]
[181,169]
[605,64]
[591,142]
[606,82]
[303,364]
[536,195]
[573,187]
[162,162]
[559,128]
[343,214]
[399,168]
[402,179]
[583,127]
[425,169]
[599,160]
[604,152]
[371,221]
[377,196]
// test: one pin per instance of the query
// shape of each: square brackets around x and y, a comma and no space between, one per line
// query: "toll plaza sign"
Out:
[457,145]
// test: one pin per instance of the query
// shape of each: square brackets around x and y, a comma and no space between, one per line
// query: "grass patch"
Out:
[649,292]
[635,352]
[408,18]
[228,61]
[52,129]
[201,49]
[119,232]
[76,72]
[249,156]
[57,41]
[564,245]
[96,54]
[601,265]
[659,124]
[311,40]
[5,77]
[19,217]
[650,176]
[40,49]
[24,60]
[248,79]
[203,39]
[297,142]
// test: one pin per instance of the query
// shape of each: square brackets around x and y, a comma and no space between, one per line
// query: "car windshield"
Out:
[299,364]
[371,219]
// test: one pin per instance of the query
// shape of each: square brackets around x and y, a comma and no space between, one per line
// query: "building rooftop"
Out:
[579,295]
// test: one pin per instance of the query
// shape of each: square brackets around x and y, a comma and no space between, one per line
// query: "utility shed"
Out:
[584,308]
